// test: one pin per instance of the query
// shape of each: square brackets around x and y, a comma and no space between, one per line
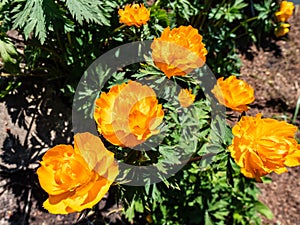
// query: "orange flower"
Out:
[135,14]
[261,146]
[186,98]
[128,114]
[76,178]
[285,11]
[282,30]
[234,93]
[177,52]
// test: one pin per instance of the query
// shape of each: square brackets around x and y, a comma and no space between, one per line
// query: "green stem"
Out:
[156,3]
[196,21]
[246,21]
[224,1]
[206,9]
[296,111]
[198,158]
[118,28]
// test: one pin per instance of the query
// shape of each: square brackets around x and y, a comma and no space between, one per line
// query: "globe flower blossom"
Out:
[134,15]
[282,29]
[128,114]
[186,98]
[234,93]
[261,146]
[285,11]
[76,178]
[179,51]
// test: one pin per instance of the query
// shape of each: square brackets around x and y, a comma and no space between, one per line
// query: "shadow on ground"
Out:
[39,119]
[36,117]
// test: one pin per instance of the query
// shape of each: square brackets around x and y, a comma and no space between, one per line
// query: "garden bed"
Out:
[38,115]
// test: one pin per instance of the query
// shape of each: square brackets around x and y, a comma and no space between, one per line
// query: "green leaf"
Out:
[239,4]
[129,213]
[7,51]
[214,148]
[266,180]
[90,11]
[208,220]
[10,86]
[2,4]
[31,18]
[138,205]
[184,8]
[264,210]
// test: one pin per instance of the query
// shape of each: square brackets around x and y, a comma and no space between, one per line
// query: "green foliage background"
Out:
[62,38]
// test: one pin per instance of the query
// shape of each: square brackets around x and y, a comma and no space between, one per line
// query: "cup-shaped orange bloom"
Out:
[261,146]
[285,11]
[234,93]
[282,29]
[76,178]
[128,114]
[134,15]
[186,98]
[178,51]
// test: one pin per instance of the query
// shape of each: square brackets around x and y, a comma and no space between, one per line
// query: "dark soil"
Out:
[275,75]
[35,117]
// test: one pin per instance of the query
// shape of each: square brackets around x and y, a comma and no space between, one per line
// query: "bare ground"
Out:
[274,73]
[33,123]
